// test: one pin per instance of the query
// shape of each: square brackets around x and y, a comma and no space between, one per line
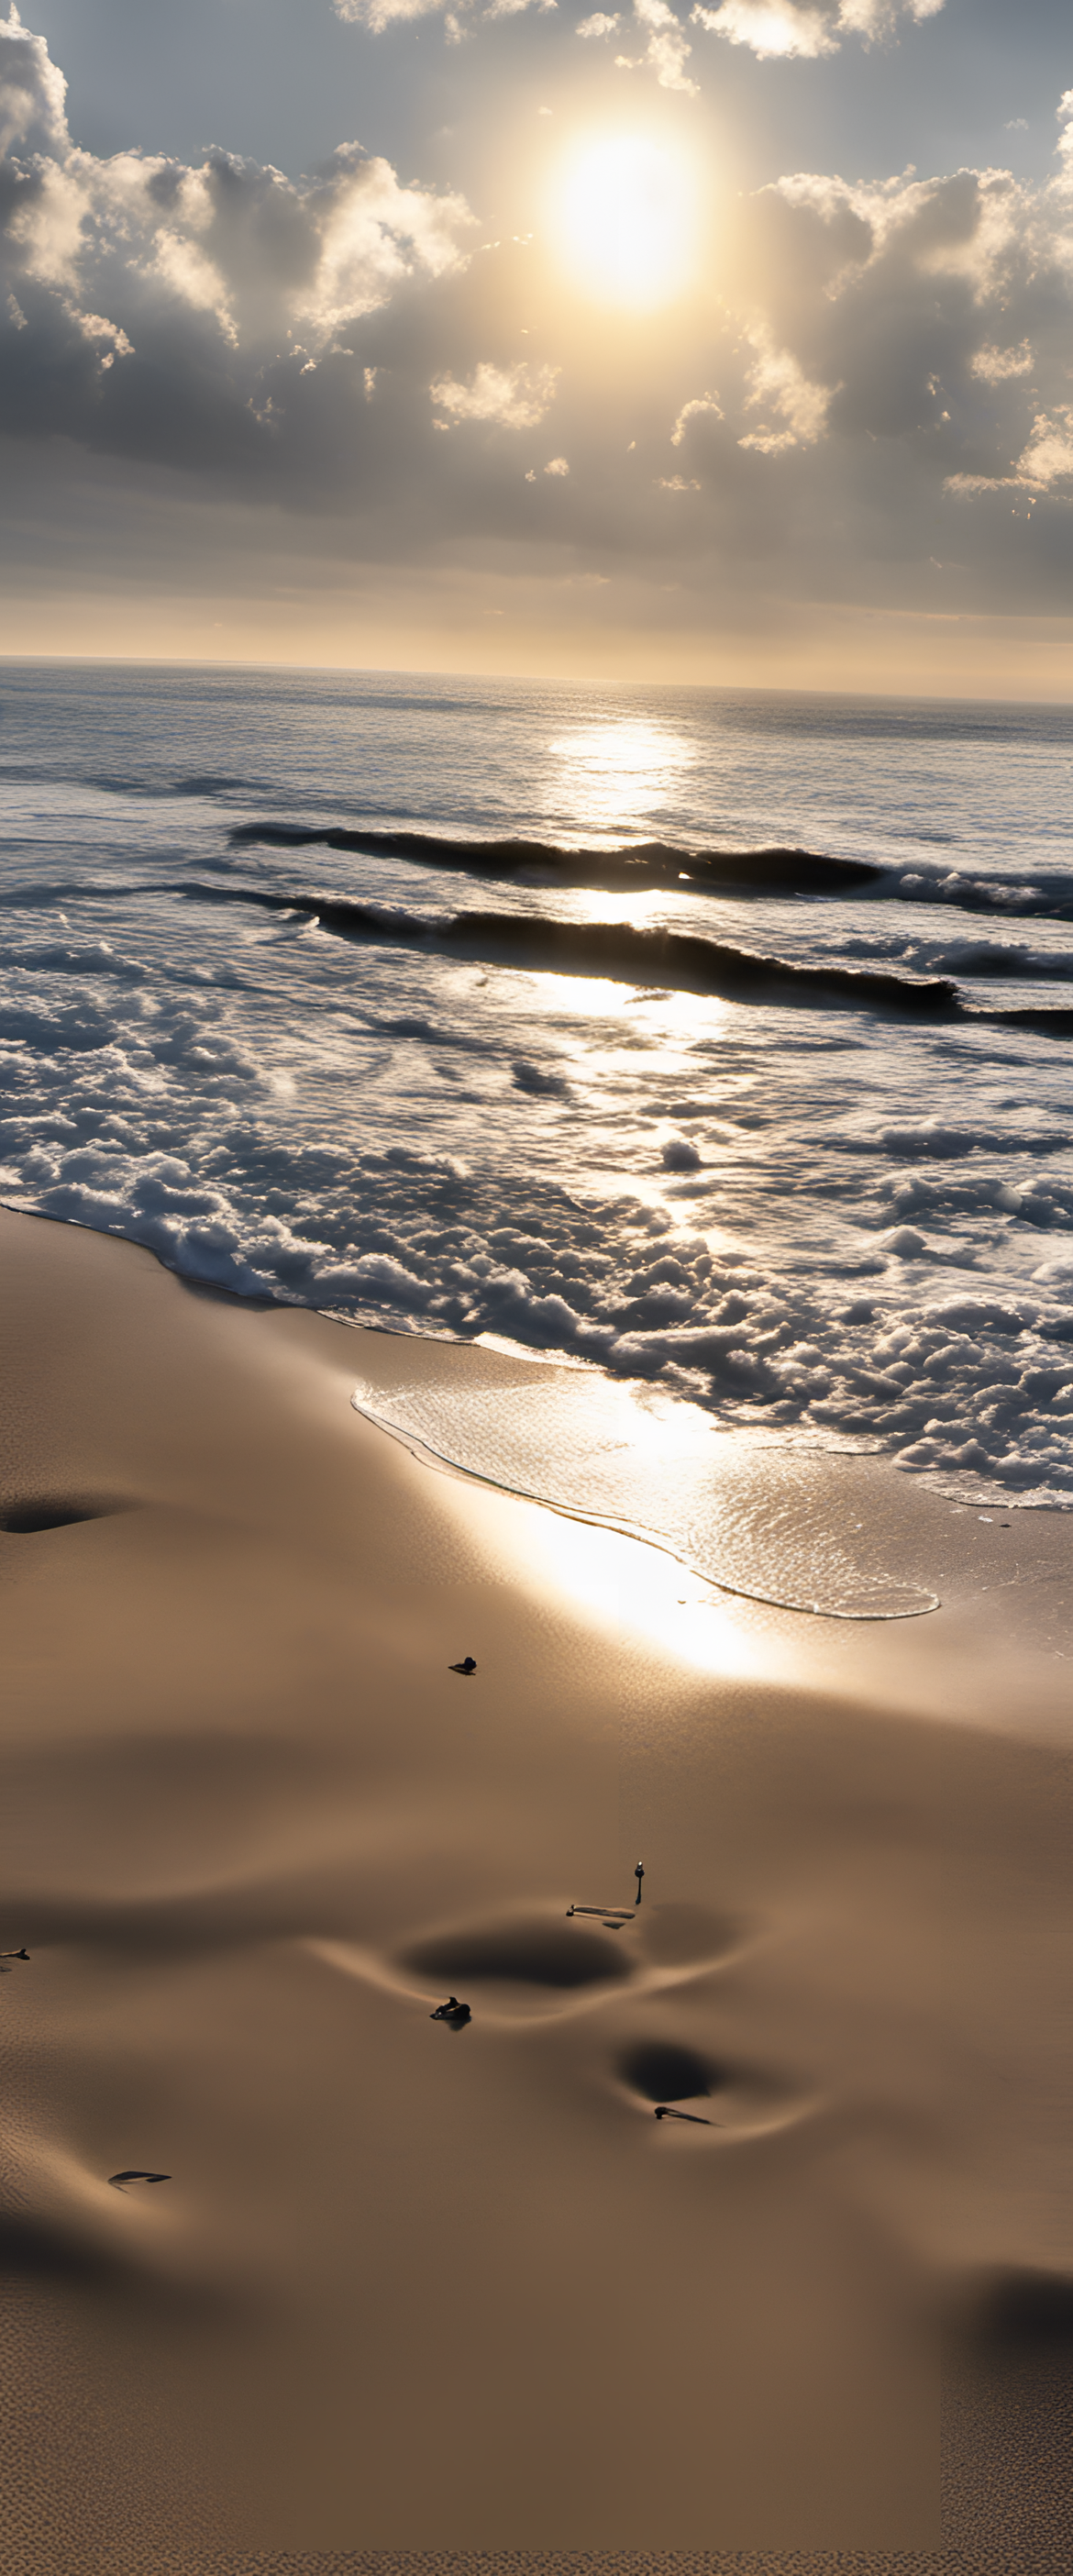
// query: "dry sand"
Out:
[422,2289]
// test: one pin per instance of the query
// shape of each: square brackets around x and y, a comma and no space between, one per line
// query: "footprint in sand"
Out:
[751,2102]
[542,1954]
[589,1983]
[667,2073]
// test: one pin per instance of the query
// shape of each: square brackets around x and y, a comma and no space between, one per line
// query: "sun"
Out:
[623,218]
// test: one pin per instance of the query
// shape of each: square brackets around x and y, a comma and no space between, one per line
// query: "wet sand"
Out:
[451,2287]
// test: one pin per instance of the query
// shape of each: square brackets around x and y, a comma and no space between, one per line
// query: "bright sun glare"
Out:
[624,220]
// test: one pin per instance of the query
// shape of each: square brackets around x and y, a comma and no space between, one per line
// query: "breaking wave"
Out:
[758,872]
[648,863]
[666,960]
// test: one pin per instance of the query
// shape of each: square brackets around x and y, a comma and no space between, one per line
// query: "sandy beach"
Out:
[410,2285]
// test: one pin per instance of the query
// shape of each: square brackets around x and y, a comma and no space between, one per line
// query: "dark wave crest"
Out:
[665,959]
[773,871]
[756,873]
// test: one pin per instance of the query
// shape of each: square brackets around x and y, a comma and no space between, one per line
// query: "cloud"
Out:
[994,365]
[1047,459]
[461,16]
[1064,145]
[514,397]
[770,27]
[702,407]
[914,310]
[234,244]
[667,49]
[666,45]
[378,14]
[33,92]
[880,397]
[241,245]
[774,28]
[779,386]
[214,286]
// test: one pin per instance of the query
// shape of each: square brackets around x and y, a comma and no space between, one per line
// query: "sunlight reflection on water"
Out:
[751,1515]
[606,776]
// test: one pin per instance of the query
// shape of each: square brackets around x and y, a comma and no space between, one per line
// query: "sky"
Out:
[726,342]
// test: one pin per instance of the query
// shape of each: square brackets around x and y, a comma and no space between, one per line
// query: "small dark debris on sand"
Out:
[452,2012]
[467,1666]
[119,2181]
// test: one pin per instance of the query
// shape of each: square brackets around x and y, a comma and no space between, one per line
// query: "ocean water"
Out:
[719,1043]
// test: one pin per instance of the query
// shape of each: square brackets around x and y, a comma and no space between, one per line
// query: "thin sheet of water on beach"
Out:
[775,1523]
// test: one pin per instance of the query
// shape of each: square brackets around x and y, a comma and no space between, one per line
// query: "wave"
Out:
[768,871]
[662,959]
[671,960]
[983,960]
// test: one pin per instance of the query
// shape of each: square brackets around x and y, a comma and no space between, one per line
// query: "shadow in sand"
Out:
[57,1511]
[536,1954]
[1017,2313]
[665,2071]
[35,2249]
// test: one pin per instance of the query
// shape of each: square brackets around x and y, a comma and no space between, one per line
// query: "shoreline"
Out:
[258,1829]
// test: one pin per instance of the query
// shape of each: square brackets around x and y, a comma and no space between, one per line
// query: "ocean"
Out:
[715,1045]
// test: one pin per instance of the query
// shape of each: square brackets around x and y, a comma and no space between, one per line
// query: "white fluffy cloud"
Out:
[238,244]
[667,49]
[461,16]
[230,243]
[33,92]
[783,28]
[514,397]
[769,27]
[665,44]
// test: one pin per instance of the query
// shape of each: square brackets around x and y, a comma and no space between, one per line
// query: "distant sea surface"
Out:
[722,1042]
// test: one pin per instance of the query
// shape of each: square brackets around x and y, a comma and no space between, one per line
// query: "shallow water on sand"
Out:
[754,1516]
